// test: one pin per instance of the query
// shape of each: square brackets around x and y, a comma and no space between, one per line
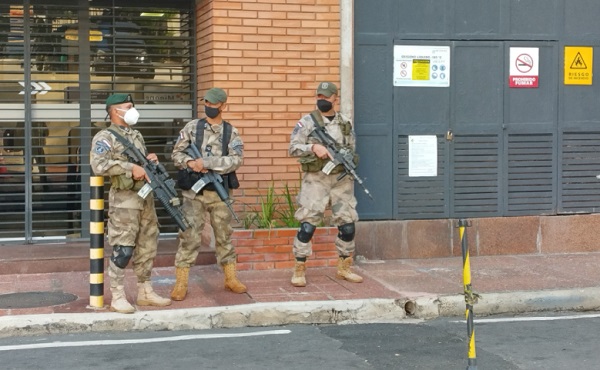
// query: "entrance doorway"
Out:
[58,63]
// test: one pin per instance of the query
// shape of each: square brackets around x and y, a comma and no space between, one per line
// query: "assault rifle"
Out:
[343,156]
[160,183]
[211,177]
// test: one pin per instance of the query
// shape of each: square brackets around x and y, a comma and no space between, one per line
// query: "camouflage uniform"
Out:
[132,221]
[319,189]
[195,206]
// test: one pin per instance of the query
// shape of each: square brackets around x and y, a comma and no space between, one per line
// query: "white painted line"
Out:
[521,319]
[139,341]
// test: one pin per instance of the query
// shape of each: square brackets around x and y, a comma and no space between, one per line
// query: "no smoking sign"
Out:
[524,70]
[524,63]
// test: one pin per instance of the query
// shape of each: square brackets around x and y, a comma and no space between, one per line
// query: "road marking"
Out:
[140,341]
[520,319]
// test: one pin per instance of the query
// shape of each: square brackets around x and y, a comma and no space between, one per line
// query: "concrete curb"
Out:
[582,299]
[259,314]
[310,312]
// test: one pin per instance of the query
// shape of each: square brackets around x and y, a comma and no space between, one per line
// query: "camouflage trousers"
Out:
[317,191]
[139,229]
[220,220]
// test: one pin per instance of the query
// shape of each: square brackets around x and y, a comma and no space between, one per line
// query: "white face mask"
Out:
[131,116]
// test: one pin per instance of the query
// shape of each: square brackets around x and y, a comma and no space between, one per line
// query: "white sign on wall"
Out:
[416,65]
[422,155]
[524,67]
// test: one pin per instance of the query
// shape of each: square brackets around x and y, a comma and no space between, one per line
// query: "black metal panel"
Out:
[581,19]
[515,151]
[580,159]
[475,175]
[422,197]
[530,174]
[429,19]
[477,82]
[374,19]
[373,124]
[534,18]
[473,17]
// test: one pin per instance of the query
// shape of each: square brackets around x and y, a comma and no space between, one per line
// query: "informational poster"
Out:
[422,155]
[524,67]
[578,65]
[425,66]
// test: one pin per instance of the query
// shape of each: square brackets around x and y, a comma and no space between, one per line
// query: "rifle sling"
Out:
[316,117]
[128,144]
[200,135]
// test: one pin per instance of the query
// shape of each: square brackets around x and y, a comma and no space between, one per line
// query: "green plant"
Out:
[249,220]
[265,217]
[287,214]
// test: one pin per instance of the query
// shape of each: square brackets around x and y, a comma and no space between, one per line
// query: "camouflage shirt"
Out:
[211,149]
[108,158]
[301,141]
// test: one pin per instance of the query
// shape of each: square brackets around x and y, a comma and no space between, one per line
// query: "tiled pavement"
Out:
[395,279]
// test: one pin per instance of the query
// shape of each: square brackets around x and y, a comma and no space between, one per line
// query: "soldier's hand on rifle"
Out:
[197,165]
[320,151]
[152,157]
[139,173]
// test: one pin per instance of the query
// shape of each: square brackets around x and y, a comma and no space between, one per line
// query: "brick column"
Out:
[269,55]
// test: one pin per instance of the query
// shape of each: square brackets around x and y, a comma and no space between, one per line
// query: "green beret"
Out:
[327,89]
[118,99]
[216,95]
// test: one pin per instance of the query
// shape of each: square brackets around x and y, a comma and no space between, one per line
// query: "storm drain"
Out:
[34,299]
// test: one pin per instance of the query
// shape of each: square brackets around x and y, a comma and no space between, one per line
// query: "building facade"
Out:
[439,139]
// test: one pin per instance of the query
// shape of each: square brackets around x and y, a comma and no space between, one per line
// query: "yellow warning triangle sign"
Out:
[578,62]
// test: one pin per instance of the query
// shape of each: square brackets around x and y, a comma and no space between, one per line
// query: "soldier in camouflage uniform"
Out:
[132,221]
[319,189]
[196,206]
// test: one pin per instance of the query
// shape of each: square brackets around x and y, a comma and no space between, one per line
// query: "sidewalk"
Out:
[392,291]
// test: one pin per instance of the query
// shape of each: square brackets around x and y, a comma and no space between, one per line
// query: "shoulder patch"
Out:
[102,146]
[238,146]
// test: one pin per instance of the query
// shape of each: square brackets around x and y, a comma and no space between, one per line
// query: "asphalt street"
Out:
[550,342]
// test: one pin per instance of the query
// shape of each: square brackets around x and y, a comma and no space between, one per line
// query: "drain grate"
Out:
[34,299]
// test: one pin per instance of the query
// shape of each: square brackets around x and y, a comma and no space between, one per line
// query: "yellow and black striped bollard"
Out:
[470,297]
[97,242]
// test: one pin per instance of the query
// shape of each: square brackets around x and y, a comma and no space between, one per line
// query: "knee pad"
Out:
[306,232]
[121,255]
[346,232]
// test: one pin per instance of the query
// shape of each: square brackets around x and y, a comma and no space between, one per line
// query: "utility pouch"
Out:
[186,179]
[232,180]
[122,182]
[311,163]
[346,128]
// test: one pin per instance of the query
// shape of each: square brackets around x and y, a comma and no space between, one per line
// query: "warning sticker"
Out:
[524,68]
[421,65]
[578,65]
[420,69]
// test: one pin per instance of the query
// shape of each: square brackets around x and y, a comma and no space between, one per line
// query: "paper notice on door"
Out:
[422,155]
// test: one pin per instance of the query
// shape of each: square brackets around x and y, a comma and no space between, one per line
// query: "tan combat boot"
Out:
[119,301]
[344,272]
[231,281]
[299,278]
[147,296]
[181,283]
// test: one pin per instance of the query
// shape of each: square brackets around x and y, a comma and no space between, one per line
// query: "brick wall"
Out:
[269,55]
[272,249]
